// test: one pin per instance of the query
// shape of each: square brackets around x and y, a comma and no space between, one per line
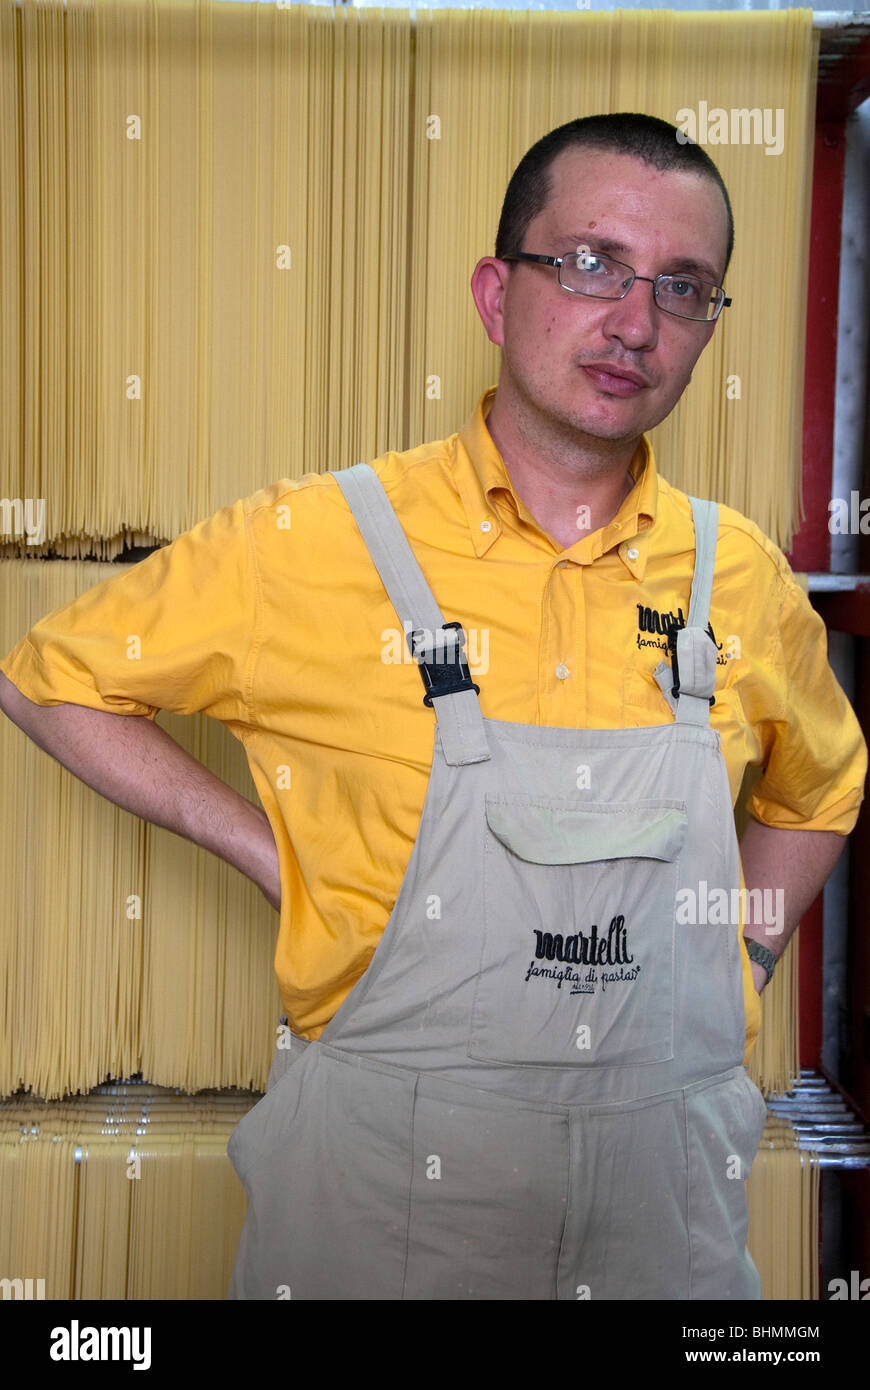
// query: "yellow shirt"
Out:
[271,617]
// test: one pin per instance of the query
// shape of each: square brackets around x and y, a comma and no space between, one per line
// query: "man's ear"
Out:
[489,282]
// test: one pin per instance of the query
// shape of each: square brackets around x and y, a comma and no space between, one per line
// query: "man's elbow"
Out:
[9,694]
[14,704]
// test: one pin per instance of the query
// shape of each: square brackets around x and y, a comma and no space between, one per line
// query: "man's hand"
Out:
[759,976]
[796,863]
[134,763]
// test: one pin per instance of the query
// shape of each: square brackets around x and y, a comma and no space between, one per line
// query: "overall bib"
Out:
[536,1089]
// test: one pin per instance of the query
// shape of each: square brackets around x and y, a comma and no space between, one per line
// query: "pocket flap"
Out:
[546,834]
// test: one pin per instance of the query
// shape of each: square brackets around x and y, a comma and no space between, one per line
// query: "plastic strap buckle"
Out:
[675,665]
[442,662]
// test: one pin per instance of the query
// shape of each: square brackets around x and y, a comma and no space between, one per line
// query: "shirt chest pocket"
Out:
[577,961]
[642,700]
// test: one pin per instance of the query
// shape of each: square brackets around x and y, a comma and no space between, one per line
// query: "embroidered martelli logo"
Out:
[651,620]
[660,625]
[584,949]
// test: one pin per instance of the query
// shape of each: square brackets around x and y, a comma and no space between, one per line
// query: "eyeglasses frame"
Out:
[557,261]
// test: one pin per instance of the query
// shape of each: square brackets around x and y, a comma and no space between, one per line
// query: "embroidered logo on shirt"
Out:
[660,625]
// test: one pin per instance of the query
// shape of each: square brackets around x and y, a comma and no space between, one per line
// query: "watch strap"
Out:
[762,955]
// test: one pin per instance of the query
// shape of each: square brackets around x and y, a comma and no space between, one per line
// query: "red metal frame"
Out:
[811,547]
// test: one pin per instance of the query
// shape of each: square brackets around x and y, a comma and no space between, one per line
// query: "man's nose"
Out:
[633,320]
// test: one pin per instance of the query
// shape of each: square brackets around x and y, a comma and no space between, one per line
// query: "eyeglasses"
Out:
[586,272]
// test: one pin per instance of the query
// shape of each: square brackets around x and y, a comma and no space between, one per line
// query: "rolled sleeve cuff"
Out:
[840,816]
[60,685]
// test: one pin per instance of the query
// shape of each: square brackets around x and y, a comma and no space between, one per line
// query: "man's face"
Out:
[558,346]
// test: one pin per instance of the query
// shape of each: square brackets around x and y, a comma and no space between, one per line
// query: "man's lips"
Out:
[616,381]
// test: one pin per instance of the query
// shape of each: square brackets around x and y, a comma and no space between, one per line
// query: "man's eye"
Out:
[685,289]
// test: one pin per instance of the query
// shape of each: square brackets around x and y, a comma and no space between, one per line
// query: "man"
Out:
[517,1038]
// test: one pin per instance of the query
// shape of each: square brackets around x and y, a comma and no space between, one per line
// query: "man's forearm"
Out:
[797,862]
[140,767]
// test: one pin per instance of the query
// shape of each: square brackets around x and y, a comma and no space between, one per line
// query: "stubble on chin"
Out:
[545,426]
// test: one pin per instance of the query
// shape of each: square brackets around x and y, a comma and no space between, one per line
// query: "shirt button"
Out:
[486,526]
[562,672]
[632,552]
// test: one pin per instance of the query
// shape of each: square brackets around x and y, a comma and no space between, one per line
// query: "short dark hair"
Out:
[623,132]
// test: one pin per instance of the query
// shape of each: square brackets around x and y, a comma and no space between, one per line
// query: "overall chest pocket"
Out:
[577,963]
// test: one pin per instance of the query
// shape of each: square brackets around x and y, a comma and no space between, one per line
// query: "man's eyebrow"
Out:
[616,248]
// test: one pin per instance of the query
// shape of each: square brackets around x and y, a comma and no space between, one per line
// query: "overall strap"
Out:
[705,516]
[438,649]
[689,682]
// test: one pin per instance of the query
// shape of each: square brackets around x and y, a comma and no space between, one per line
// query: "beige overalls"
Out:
[536,1089]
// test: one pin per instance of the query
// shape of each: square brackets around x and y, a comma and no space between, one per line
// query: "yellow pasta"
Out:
[126,1193]
[783,1197]
[260,268]
[774,1065]
[125,949]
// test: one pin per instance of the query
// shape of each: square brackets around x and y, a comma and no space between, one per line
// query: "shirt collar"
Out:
[488,495]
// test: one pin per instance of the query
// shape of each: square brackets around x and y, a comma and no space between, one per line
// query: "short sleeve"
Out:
[173,631]
[815,753]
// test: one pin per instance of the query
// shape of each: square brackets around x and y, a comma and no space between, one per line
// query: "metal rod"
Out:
[835,583]
[822,19]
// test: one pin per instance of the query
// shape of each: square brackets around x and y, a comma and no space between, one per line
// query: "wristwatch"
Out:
[761,954]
